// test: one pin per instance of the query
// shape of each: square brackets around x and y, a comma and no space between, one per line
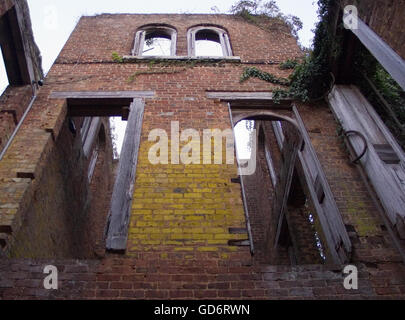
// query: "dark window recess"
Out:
[386,153]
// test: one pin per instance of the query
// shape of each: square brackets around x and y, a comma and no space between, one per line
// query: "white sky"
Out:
[54,20]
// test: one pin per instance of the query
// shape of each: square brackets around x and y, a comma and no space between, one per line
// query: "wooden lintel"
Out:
[101,94]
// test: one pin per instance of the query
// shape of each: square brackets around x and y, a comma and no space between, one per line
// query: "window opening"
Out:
[155,41]
[243,139]
[3,75]
[208,43]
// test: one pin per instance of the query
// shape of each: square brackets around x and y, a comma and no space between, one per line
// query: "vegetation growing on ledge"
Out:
[289,64]
[117,58]
[253,72]
[310,78]
[266,15]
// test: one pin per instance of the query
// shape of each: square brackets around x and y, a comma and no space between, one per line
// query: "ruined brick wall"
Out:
[13,104]
[179,230]
[199,278]
[66,218]
[367,231]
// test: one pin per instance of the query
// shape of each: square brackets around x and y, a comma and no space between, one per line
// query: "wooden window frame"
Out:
[386,56]
[355,113]
[330,218]
[141,34]
[129,104]
[223,38]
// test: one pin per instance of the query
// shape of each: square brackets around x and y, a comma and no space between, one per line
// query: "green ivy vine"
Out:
[253,72]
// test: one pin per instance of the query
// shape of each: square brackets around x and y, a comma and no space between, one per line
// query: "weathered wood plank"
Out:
[263,115]
[229,96]
[334,230]
[278,132]
[242,183]
[283,186]
[91,136]
[387,153]
[22,45]
[101,94]
[121,202]
[388,179]
[388,58]
[270,164]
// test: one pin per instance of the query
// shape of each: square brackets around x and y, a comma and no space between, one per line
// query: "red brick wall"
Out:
[146,277]
[95,38]
[66,218]
[13,104]
[178,245]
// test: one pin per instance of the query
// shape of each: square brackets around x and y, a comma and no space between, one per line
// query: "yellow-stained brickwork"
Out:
[184,207]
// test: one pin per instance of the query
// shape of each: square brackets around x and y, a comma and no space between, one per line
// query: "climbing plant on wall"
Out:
[311,77]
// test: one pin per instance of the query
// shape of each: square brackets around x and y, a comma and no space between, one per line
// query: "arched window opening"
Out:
[243,139]
[155,42]
[208,42]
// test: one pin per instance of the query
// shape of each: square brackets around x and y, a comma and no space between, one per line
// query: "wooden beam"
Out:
[354,112]
[15,47]
[263,115]
[243,189]
[101,94]
[388,58]
[329,216]
[22,43]
[91,136]
[283,186]
[9,52]
[97,110]
[121,201]
[100,104]
[250,100]
[229,96]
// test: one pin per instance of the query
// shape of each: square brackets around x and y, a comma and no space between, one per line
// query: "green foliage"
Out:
[261,13]
[289,64]
[117,58]
[311,77]
[253,72]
